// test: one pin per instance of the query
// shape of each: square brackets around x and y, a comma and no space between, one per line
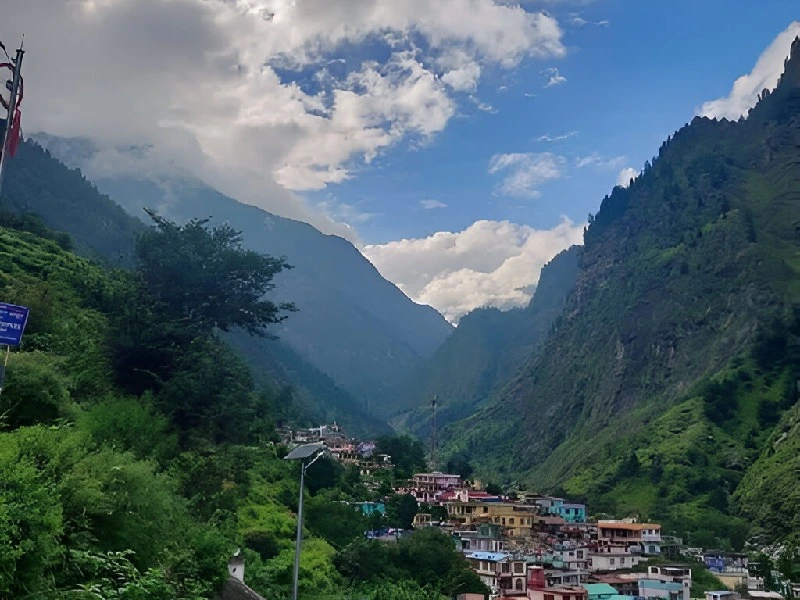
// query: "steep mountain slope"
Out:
[486,348]
[66,201]
[662,382]
[352,324]
[38,184]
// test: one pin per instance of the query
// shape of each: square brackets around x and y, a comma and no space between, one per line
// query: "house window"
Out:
[549,597]
[611,561]
[506,568]
[518,585]
[519,567]
[485,509]
[621,560]
[504,520]
[580,553]
[511,521]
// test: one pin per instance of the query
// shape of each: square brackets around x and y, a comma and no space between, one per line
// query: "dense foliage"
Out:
[40,192]
[137,453]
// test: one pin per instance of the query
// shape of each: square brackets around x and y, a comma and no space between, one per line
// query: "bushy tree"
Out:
[407,453]
[401,510]
[202,277]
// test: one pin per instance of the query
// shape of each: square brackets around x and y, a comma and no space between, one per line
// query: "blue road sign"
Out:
[12,323]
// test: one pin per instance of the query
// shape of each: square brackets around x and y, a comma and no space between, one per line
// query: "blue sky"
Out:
[423,131]
[630,83]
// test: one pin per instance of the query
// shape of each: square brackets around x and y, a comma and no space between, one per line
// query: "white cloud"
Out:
[431,204]
[490,263]
[765,74]
[261,106]
[525,171]
[556,138]
[481,105]
[576,20]
[600,162]
[625,175]
[554,78]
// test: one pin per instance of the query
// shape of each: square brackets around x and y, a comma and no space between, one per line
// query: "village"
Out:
[530,545]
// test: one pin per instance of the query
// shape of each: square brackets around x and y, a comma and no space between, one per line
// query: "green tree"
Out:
[401,510]
[337,522]
[460,465]
[202,277]
[407,453]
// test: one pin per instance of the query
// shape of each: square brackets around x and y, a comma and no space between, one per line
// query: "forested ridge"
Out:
[136,452]
[51,197]
[668,387]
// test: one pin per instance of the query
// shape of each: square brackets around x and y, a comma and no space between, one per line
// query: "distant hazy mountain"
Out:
[37,183]
[486,349]
[352,324]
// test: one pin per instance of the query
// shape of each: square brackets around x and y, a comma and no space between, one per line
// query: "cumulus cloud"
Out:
[490,263]
[253,96]
[554,78]
[525,171]
[600,162]
[625,175]
[431,204]
[765,74]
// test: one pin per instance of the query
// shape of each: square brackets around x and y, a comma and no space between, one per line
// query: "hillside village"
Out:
[530,545]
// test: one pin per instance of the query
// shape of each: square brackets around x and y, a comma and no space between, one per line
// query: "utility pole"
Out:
[433,435]
[5,147]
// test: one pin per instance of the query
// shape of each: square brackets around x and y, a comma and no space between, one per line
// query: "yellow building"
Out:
[514,519]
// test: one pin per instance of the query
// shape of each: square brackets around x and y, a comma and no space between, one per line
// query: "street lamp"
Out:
[307,455]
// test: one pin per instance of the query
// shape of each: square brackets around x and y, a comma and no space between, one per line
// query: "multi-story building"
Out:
[612,558]
[574,557]
[674,575]
[515,519]
[428,487]
[539,590]
[638,538]
[487,537]
[653,589]
[556,578]
[498,571]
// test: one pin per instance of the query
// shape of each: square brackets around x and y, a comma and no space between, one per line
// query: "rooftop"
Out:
[628,526]
[599,589]
[492,556]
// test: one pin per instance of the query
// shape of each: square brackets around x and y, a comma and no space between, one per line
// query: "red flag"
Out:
[13,135]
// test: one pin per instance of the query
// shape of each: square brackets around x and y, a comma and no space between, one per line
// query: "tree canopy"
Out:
[201,276]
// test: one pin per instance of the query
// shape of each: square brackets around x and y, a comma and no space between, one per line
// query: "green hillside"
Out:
[41,190]
[136,453]
[675,364]
[358,328]
[488,346]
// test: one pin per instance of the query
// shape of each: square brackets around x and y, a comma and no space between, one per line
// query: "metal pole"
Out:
[299,538]
[12,107]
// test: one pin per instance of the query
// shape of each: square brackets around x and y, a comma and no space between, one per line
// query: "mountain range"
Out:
[485,350]
[354,335]
[668,386]
[655,372]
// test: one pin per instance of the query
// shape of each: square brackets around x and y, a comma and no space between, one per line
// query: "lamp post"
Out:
[307,455]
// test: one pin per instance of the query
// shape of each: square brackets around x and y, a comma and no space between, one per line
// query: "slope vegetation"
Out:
[661,387]
[487,348]
[352,324]
[40,188]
